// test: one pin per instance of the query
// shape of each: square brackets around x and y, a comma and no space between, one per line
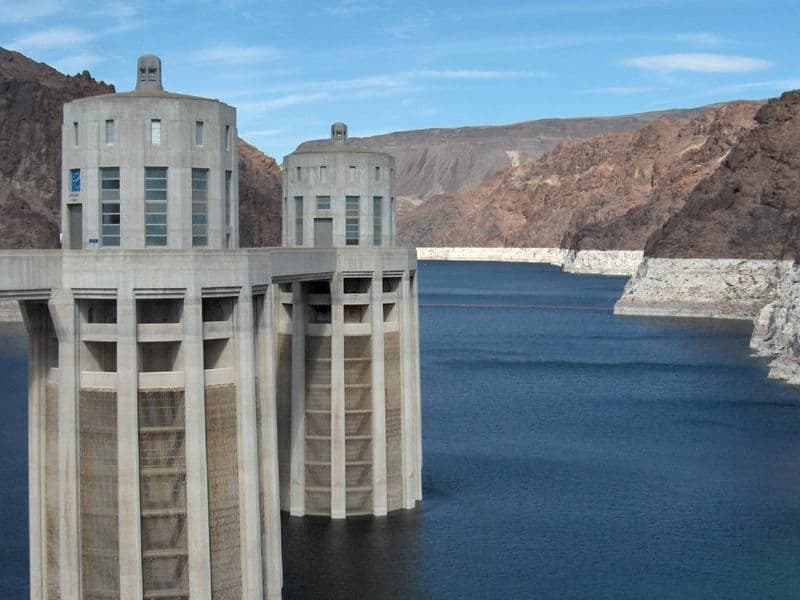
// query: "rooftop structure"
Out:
[181,390]
[338,195]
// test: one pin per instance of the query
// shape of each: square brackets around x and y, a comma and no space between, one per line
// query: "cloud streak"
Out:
[19,12]
[618,90]
[348,8]
[698,63]
[53,38]
[307,92]
[701,38]
[233,54]
[775,84]
[476,74]
[75,63]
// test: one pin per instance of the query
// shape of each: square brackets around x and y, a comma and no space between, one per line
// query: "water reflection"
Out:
[356,558]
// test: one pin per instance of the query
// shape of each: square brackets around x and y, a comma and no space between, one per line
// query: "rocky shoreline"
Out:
[765,292]
[589,262]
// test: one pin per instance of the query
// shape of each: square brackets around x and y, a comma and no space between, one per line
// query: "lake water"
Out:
[568,454]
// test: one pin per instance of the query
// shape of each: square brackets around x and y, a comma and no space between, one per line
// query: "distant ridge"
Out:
[606,192]
[442,160]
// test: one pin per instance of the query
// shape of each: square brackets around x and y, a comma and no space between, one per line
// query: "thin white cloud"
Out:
[53,38]
[348,8]
[75,63]
[701,38]
[115,10]
[698,63]
[775,84]
[14,11]
[475,74]
[551,9]
[262,133]
[618,90]
[233,54]
[282,102]
[401,80]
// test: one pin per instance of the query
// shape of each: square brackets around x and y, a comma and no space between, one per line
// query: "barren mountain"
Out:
[609,191]
[750,206]
[31,97]
[435,161]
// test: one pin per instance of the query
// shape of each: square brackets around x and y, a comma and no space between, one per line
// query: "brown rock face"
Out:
[31,98]
[750,206]
[259,198]
[608,192]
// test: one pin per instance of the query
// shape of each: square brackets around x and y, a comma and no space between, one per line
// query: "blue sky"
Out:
[292,68]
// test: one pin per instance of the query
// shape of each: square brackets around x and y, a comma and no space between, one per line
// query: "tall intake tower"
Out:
[152,429]
[348,358]
[182,391]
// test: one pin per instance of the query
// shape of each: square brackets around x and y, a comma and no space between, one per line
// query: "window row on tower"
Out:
[352,218]
[156,202]
[110,136]
[320,173]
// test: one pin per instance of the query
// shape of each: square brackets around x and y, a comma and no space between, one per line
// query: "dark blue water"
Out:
[568,454]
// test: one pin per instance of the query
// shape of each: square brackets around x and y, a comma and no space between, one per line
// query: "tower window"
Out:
[377,220]
[352,224]
[323,174]
[228,177]
[74,180]
[155,131]
[298,220]
[352,173]
[198,133]
[199,207]
[227,137]
[75,133]
[109,206]
[377,173]
[155,206]
[323,202]
[299,174]
[109,131]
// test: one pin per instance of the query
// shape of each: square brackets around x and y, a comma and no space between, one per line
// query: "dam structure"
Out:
[167,366]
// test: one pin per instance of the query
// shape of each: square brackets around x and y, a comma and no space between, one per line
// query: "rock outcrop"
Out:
[610,192]
[259,198]
[701,287]
[776,331]
[750,206]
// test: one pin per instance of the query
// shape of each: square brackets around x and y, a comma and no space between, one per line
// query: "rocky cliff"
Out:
[436,161]
[31,97]
[611,191]
[776,331]
[750,206]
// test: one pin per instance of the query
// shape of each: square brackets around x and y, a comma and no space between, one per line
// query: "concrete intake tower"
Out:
[183,391]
